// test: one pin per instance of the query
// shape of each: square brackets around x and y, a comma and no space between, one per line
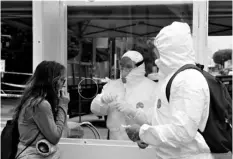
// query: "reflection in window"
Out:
[16,45]
[103,34]
[99,35]
[220,41]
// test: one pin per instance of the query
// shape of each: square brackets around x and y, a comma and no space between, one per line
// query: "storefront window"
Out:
[220,41]
[16,46]
[220,38]
[98,35]
[103,33]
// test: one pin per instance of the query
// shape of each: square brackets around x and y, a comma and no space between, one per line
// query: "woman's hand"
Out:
[64,98]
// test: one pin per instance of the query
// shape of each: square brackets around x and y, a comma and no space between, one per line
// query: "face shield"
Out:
[158,63]
[155,69]
[126,64]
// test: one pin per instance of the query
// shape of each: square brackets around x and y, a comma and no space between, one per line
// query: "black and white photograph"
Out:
[116,79]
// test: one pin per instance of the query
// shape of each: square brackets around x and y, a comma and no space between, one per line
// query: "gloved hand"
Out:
[125,108]
[77,132]
[133,132]
[108,98]
[153,76]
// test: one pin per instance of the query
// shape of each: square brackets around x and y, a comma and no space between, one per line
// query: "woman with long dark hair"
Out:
[42,112]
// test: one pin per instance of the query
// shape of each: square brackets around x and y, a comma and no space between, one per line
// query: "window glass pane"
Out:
[220,41]
[98,35]
[16,47]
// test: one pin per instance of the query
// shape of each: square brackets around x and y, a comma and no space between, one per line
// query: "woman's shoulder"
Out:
[44,105]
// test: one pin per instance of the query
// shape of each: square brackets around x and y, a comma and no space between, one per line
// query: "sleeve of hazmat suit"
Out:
[189,100]
[97,106]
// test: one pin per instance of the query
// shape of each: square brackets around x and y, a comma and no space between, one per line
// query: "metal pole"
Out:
[73,73]
[80,78]
[110,59]
[93,55]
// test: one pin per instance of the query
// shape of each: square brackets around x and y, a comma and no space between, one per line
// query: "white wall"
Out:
[103,149]
[49,32]
[110,149]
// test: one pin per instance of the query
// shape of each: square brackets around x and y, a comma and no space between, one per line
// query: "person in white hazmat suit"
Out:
[128,100]
[174,130]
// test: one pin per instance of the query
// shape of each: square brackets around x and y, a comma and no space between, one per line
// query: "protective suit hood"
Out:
[175,46]
[137,74]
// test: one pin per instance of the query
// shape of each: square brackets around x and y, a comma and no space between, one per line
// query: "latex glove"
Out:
[108,98]
[133,132]
[125,108]
[153,76]
[142,144]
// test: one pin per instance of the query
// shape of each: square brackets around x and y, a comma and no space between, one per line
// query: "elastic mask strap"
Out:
[139,63]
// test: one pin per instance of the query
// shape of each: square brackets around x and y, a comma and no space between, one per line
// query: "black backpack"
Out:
[10,140]
[218,130]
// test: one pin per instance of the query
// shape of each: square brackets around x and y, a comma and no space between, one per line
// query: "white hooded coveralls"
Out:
[174,133]
[138,88]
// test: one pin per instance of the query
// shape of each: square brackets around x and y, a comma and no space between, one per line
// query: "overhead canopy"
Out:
[17,14]
[220,18]
[143,20]
[117,21]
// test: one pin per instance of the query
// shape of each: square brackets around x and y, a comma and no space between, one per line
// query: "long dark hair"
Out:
[42,86]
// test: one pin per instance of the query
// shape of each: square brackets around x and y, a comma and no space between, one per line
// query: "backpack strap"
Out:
[198,67]
[30,143]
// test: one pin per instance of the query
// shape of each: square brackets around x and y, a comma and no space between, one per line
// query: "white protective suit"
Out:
[174,133]
[137,89]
